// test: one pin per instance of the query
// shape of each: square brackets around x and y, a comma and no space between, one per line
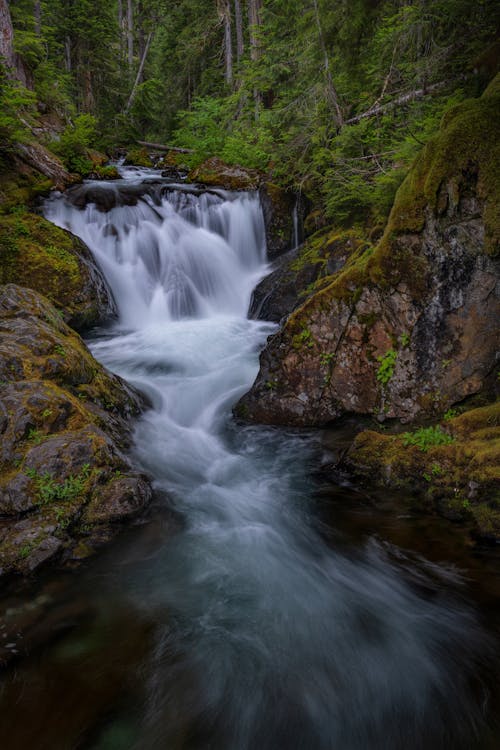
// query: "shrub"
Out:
[427,437]
[74,142]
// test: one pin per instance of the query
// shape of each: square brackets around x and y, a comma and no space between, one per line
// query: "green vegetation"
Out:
[427,437]
[336,99]
[387,365]
[50,491]
[456,472]
[35,436]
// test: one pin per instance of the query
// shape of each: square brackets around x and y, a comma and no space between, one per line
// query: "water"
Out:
[245,626]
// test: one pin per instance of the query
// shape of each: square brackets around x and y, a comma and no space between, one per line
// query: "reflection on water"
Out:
[250,619]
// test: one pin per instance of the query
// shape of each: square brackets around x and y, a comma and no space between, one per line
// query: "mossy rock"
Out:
[216,173]
[20,185]
[37,254]
[304,271]
[100,172]
[458,477]
[64,474]
[278,206]
[429,282]
[138,157]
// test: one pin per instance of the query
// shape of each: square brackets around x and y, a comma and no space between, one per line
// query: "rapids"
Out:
[266,636]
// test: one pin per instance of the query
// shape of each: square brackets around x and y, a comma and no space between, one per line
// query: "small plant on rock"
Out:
[427,437]
[387,365]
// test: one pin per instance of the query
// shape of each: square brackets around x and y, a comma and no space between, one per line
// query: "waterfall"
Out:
[186,255]
[267,636]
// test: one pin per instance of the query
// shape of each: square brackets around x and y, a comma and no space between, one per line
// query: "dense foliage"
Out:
[335,98]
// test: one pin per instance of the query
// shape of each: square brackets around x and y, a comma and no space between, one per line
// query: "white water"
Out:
[267,638]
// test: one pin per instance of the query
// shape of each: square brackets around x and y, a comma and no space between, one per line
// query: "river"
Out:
[256,609]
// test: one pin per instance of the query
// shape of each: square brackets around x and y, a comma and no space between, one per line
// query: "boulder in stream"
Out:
[36,254]
[408,326]
[66,482]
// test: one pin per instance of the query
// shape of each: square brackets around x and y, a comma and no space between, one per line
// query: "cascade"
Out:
[273,638]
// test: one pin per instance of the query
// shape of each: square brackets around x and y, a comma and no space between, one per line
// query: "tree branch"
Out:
[404,99]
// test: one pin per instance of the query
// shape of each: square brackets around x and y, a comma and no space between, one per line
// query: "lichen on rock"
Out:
[64,473]
[425,298]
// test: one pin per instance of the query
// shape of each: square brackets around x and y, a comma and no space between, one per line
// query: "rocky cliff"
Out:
[65,480]
[408,326]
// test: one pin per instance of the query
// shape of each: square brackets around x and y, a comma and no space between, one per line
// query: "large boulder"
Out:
[65,479]
[301,272]
[409,327]
[452,467]
[36,254]
[216,173]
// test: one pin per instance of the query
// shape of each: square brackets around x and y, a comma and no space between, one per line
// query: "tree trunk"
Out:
[139,72]
[67,54]
[403,99]
[37,11]
[163,147]
[120,28]
[6,36]
[130,34]
[254,21]
[224,11]
[238,22]
[88,92]
[331,92]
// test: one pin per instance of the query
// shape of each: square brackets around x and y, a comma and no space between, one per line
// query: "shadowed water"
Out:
[265,636]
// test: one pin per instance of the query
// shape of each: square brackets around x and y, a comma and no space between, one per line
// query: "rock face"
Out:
[453,467]
[409,327]
[278,206]
[300,273]
[36,254]
[65,481]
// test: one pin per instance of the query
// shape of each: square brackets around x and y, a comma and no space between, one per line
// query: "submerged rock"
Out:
[409,327]
[36,254]
[64,474]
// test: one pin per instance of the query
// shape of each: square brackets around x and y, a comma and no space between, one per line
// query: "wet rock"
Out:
[123,498]
[297,275]
[278,206]
[409,327]
[36,254]
[217,173]
[64,421]
[452,467]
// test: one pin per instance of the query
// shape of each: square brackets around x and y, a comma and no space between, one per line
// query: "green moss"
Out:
[36,254]
[468,143]
[458,470]
[138,157]
[105,173]
[20,185]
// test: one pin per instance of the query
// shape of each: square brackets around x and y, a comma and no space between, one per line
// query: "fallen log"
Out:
[404,99]
[162,147]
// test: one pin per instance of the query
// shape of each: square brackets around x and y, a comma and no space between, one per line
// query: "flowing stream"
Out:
[264,634]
